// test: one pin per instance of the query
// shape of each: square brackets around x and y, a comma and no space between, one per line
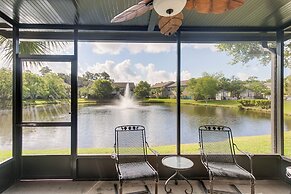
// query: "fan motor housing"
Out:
[169,8]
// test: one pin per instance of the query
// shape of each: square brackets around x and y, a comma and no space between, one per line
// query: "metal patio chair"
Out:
[218,155]
[130,155]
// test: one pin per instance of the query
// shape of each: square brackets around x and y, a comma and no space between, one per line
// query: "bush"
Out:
[264,104]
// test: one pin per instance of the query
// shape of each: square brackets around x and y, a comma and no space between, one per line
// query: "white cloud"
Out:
[242,76]
[186,75]
[126,71]
[150,47]
[211,47]
[119,72]
[107,48]
[134,48]
[152,75]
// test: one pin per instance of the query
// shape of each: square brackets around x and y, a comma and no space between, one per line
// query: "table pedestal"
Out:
[177,174]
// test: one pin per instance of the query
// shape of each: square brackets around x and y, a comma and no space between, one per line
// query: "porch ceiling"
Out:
[256,20]
[266,14]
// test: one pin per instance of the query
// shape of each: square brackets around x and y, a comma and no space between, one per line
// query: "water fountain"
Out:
[127,100]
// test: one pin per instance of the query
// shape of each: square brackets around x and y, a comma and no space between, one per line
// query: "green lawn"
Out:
[253,144]
[287,107]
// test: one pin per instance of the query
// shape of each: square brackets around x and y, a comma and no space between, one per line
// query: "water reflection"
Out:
[43,138]
[243,123]
[6,130]
[49,112]
[96,124]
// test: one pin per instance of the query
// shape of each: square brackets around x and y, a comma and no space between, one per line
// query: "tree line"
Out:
[53,86]
[48,85]
[207,86]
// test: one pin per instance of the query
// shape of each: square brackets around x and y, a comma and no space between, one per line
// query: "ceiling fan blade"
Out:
[134,11]
[190,4]
[213,6]
[169,25]
[235,4]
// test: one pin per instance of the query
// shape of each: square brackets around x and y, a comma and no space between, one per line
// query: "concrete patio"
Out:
[108,187]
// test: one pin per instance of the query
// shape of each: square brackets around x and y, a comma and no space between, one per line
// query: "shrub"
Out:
[264,104]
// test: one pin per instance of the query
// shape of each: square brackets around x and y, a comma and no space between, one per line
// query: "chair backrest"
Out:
[216,144]
[130,140]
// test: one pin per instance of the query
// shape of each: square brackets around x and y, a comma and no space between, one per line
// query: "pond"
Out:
[96,124]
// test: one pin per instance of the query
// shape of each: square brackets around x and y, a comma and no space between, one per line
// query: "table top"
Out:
[288,171]
[177,162]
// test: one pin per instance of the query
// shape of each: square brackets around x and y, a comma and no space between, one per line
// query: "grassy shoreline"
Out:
[253,144]
[214,103]
[220,103]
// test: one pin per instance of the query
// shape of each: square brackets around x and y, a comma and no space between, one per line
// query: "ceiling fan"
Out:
[170,11]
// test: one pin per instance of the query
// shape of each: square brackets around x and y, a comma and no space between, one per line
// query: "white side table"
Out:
[177,163]
[288,172]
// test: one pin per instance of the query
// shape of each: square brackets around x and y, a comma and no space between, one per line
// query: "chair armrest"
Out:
[152,150]
[114,156]
[156,154]
[249,155]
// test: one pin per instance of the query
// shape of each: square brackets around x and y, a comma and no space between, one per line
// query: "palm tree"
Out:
[27,47]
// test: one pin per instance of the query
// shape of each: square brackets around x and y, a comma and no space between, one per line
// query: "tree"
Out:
[33,86]
[55,87]
[236,87]
[27,47]
[65,77]
[204,88]
[223,84]
[101,89]
[159,92]
[90,76]
[45,70]
[105,76]
[83,92]
[5,84]
[257,87]
[245,52]
[287,85]
[142,90]
[191,88]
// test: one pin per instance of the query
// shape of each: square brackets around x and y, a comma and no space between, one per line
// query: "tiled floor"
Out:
[107,187]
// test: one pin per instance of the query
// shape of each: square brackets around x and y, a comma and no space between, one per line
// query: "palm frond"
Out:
[28,48]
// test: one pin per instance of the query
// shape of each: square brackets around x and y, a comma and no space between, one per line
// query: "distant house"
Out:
[248,94]
[223,95]
[161,90]
[184,93]
[269,86]
[119,87]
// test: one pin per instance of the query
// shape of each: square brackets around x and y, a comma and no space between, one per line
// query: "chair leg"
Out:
[156,186]
[252,186]
[120,187]
[211,186]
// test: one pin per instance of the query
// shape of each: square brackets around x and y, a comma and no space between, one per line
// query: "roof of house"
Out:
[162,84]
[183,83]
[123,84]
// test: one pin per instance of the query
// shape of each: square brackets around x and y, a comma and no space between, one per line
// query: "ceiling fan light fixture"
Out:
[169,8]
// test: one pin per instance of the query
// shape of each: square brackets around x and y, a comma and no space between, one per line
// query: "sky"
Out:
[155,62]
